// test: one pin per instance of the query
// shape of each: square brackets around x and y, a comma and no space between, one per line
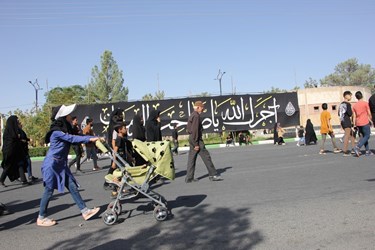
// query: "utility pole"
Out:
[37,88]
[219,77]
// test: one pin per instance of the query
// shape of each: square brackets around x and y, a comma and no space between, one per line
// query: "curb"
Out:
[221,145]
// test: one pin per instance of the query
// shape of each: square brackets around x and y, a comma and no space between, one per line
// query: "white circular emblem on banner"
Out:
[290,110]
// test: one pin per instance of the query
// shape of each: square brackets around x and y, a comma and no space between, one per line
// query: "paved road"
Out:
[273,197]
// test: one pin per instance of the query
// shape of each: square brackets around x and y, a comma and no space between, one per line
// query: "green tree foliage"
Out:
[35,125]
[351,73]
[276,90]
[106,84]
[66,95]
[159,95]
[204,94]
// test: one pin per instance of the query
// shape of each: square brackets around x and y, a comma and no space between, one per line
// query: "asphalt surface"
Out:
[272,197]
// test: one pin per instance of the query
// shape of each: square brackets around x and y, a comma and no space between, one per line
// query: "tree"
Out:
[159,95]
[276,90]
[106,84]
[311,83]
[66,95]
[351,73]
[35,125]
[204,94]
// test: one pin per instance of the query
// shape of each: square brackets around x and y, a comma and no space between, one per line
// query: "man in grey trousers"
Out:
[195,128]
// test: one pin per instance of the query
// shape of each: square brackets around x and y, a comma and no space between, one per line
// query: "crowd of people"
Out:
[65,132]
[355,120]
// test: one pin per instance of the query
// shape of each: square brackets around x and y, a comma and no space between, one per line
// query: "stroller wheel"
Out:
[117,209]
[109,217]
[160,213]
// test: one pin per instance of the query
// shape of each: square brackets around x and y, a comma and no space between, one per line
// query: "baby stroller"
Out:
[134,181]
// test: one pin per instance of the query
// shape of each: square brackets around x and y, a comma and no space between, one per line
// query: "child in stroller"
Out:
[134,181]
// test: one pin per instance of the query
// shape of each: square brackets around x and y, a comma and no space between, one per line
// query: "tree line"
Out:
[107,85]
[347,73]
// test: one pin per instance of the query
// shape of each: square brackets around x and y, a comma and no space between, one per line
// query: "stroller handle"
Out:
[101,146]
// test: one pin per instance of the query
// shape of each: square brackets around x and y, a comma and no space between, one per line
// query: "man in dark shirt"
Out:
[345,114]
[76,147]
[195,128]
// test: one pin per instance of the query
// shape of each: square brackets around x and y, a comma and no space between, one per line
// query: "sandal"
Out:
[322,152]
[90,213]
[46,222]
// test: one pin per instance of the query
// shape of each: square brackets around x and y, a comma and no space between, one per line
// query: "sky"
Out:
[178,46]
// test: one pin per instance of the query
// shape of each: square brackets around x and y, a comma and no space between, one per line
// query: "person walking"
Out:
[55,171]
[13,164]
[25,142]
[77,147]
[195,129]
[90,147]
[275,135]
[280,134]
[362,118]
[175,140]
[153,126]
[345,114]
[301,137]
[310,135]
[326,128]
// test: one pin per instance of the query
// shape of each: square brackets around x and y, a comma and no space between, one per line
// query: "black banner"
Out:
[222,113]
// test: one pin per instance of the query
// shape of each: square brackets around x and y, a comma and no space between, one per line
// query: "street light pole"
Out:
[37,88]
[219,77]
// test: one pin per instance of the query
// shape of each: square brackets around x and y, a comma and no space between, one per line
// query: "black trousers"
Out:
[18,171]
[175,148]
[192,159]
[78,151]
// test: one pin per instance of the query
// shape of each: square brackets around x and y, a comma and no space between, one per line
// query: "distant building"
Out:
[310,101]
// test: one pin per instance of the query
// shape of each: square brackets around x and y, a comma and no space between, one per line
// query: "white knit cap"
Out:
[65,110]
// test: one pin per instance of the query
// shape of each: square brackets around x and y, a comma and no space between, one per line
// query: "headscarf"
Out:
[309,125]
[153,127]
[138,129]
[59,124]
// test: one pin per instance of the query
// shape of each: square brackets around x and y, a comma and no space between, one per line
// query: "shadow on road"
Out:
[194,228]
[31,218]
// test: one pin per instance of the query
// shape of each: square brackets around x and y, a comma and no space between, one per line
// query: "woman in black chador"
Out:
[153,127]
[310,136]
[139,133]
[137,129]
[14,155]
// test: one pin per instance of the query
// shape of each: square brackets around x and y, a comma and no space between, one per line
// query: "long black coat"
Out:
[310,136]
[138,130]
[153,127]
[13,149]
